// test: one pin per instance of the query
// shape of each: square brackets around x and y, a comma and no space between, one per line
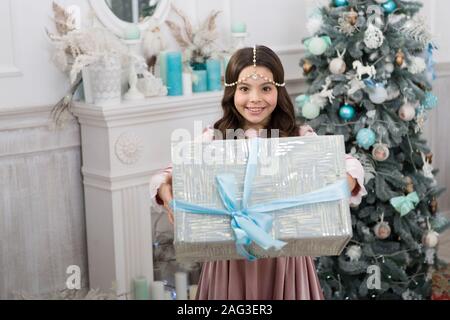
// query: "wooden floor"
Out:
[444,246]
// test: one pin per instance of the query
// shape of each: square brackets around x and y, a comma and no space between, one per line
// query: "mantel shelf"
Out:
[149,110]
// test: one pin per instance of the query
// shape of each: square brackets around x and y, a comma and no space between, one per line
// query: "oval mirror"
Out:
[117,15]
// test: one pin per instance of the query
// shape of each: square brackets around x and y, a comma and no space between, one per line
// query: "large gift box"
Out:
[257,198]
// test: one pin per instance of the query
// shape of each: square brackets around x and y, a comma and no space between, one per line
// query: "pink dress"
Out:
[283,278]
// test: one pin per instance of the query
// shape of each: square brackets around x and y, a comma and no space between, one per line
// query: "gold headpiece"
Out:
[255,75]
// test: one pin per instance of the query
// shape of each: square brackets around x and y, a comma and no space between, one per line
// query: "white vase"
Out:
[102,81]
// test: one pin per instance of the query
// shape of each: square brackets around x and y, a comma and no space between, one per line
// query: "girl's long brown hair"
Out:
[283,116]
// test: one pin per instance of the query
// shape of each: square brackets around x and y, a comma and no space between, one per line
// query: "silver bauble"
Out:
[380,152]
[382,230]
[407,112]
[378,95]
[337,66]
[430,239]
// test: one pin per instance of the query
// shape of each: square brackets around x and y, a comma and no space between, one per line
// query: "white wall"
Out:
[28,77]
[38,81]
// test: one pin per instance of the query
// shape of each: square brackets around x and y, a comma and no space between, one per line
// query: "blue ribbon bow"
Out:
[253,224]
[405,204]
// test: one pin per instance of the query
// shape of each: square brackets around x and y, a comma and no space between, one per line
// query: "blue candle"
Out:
[238,27]
[163,66]
[174,74]
[214,72]
[199,81]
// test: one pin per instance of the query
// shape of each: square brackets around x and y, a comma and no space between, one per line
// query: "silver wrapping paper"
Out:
[287,167]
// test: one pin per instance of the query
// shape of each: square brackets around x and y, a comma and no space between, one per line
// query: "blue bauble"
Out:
[340,3]
[366,138]
[430,101]
[389,6]
[347,112]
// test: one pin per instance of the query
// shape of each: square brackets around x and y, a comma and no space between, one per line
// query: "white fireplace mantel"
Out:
[122,146]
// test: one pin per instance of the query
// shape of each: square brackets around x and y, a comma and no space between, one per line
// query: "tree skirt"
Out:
[441,284]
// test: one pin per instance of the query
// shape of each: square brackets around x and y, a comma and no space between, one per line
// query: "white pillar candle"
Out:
[192,291]
[135,10]
[157,290]
[181,285]
[187,84]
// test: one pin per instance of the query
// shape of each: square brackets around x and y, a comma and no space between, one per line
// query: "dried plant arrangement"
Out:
[198,44]
[76,49]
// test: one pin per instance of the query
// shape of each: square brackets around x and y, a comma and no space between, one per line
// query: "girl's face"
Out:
[254,99]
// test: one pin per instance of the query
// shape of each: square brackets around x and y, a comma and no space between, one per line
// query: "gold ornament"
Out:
[433,205]
[352,16]
[307,67]
[409,185]
[400,58]
[429,158]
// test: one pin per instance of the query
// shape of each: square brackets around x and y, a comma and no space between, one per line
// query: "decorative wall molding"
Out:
[128,148]
[8,54]
[38,136]
[41,203]
[9,71]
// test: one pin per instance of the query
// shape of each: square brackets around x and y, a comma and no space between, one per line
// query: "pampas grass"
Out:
[64,21]
[198,44]
[76,49]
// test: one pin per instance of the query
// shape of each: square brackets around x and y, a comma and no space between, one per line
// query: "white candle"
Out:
[192,291]
[157,290]
[181,285]
[167,295]
[187,84]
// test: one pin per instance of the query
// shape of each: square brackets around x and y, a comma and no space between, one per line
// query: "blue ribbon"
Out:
[253,224]
[372,84]
[430,62]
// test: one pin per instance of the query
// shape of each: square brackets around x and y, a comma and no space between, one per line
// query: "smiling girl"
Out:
[255,99]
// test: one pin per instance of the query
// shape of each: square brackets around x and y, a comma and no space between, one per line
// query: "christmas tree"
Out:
[369,69]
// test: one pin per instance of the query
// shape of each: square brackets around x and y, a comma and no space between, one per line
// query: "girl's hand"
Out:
[166,195]
[351,182]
